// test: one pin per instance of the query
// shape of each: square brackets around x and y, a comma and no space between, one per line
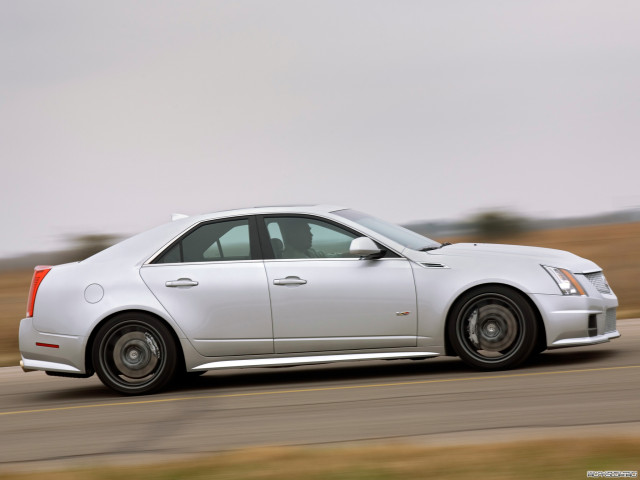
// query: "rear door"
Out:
[212,281]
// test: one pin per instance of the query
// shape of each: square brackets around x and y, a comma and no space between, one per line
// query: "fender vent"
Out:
[433,265]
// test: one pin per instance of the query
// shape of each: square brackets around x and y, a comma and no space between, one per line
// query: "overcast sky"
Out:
[115,114]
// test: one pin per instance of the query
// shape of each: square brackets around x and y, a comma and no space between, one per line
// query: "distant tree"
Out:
[496,223]
[83,246]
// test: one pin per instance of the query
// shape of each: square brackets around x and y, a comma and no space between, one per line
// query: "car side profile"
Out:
[286,286]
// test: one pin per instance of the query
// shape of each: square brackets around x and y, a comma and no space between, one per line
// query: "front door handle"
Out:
[181,282]
[289,281]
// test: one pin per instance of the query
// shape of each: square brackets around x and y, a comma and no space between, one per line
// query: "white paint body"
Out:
[239,315]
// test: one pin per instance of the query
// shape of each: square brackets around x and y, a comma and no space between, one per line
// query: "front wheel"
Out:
[492,328]
[134,354]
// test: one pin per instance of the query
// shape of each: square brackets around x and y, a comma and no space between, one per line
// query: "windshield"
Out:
[398,234]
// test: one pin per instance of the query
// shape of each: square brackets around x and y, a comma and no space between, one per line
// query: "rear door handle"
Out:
[289,281]
[181,282]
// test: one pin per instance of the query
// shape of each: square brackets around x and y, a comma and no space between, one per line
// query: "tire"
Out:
[134,354]
[492,328]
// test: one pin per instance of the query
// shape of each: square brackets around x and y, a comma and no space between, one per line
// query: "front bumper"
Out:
[578,342]
[572,321]
[50,352]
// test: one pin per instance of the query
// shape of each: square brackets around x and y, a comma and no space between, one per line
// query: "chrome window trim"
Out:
[352,259]
[161,250]
[215,262]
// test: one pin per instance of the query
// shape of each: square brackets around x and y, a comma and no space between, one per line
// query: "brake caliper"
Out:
[153,346]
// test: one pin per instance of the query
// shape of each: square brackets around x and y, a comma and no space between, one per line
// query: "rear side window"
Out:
[212,242]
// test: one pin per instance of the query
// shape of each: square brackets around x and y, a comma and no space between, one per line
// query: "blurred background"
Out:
[496,121]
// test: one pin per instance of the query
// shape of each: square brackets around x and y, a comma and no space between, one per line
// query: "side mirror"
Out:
[364,247]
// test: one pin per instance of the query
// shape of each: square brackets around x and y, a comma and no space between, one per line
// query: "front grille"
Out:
[598,281]
[610,321]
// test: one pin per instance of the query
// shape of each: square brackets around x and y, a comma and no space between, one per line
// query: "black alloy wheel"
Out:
[493,328]
[134,354]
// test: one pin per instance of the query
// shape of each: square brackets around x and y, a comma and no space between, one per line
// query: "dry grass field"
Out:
[550,459]
[14,290]
[616,248]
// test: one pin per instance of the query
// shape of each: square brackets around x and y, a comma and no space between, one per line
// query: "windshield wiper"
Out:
[428,249]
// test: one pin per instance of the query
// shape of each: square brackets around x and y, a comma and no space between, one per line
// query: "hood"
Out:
[543,256]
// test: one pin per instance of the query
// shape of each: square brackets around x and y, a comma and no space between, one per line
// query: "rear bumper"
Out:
[50,352]
[572,321]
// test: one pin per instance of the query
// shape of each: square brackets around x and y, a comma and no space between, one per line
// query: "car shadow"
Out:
[391,371]
[302,376]
[91,389]
[388,371]
[570,357]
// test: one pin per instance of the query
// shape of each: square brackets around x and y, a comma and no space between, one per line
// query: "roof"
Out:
[317,209]
[137,249]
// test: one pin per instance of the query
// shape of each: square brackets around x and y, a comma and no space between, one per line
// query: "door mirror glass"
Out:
[363,247]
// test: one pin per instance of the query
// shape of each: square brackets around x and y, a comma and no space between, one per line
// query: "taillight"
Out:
[38,275]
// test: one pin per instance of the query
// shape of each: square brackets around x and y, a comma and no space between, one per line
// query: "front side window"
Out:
[212,242]
[303,237]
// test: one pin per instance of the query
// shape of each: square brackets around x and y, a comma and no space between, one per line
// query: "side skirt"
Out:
[310,360]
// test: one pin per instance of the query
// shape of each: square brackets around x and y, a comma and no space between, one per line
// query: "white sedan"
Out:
[286,286]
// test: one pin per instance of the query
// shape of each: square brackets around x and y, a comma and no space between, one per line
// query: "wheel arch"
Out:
[90,342]
[541,339]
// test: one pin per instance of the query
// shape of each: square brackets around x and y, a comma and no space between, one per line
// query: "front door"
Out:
[324,299]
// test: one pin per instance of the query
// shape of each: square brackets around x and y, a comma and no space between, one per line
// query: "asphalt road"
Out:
[48,422]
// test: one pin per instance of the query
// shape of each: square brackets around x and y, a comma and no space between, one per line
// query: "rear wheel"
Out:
[493,328]
[134,354]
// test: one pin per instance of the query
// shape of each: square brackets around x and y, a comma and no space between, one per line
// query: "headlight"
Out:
[565,280]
